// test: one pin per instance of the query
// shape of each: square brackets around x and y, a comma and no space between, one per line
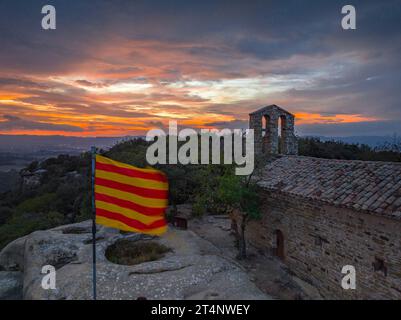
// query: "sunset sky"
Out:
[114,68]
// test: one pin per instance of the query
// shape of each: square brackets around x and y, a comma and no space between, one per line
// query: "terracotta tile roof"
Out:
[373,187]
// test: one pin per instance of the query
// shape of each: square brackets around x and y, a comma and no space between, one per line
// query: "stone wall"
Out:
[320,239]
[255,123]
[267,136]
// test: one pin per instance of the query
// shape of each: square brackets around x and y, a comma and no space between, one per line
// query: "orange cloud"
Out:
[133,83]
[315,118]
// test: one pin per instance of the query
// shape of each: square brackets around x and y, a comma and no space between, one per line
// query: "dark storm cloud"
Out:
[89,84]
[369,128]
[356,91]
[20,83]
[264,29]
[348,72]
[234,124]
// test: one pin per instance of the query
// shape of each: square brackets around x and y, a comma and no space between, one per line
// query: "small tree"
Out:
[239,193]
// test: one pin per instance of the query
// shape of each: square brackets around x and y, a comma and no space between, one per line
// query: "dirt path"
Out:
[268,273]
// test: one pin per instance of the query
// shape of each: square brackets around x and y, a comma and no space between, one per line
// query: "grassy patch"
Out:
[128,252]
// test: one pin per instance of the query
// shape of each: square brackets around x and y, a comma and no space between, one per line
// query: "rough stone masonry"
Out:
[321,214]
[265,123]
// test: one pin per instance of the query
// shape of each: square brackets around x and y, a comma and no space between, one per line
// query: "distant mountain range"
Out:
[17,151]
[371,141]
[31,143]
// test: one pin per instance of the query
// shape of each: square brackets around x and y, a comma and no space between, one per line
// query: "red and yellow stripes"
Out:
[130,198]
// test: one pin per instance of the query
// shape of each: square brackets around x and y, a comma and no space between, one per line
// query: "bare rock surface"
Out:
[10,285]
[194,269]
[12,256]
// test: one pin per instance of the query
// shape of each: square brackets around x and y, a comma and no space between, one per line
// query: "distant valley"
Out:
[371,141]
[17,151]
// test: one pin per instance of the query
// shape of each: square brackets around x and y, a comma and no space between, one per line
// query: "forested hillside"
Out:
[57,191]
[314,147]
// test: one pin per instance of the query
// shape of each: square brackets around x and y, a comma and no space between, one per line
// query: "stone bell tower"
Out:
[265,123]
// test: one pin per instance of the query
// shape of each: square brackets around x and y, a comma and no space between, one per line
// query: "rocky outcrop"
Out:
[12,256]
[10,285]
[193,269]
[31,179]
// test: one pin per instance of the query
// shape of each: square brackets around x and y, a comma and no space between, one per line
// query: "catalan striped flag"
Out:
[130,198]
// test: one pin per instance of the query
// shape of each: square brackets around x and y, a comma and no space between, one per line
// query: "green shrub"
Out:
[128,252]
[199,207]
[21,224]
[5,214]
[38,204]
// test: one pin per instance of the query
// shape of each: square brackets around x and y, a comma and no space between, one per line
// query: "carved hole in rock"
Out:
[123,232]
[76,230]
[60,259]
[128,252]
[90,240]
[380,265]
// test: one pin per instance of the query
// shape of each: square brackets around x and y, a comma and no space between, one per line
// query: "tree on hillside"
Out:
[240,195]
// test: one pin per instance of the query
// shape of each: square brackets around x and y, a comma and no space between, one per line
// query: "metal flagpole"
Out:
[93,152]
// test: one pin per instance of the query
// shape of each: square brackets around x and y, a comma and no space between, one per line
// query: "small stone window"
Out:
[380,265]
[279,249]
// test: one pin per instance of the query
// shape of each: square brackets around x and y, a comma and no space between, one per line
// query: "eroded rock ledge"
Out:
[193,269]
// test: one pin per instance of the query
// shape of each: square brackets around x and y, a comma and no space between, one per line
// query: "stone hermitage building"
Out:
[319,215]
